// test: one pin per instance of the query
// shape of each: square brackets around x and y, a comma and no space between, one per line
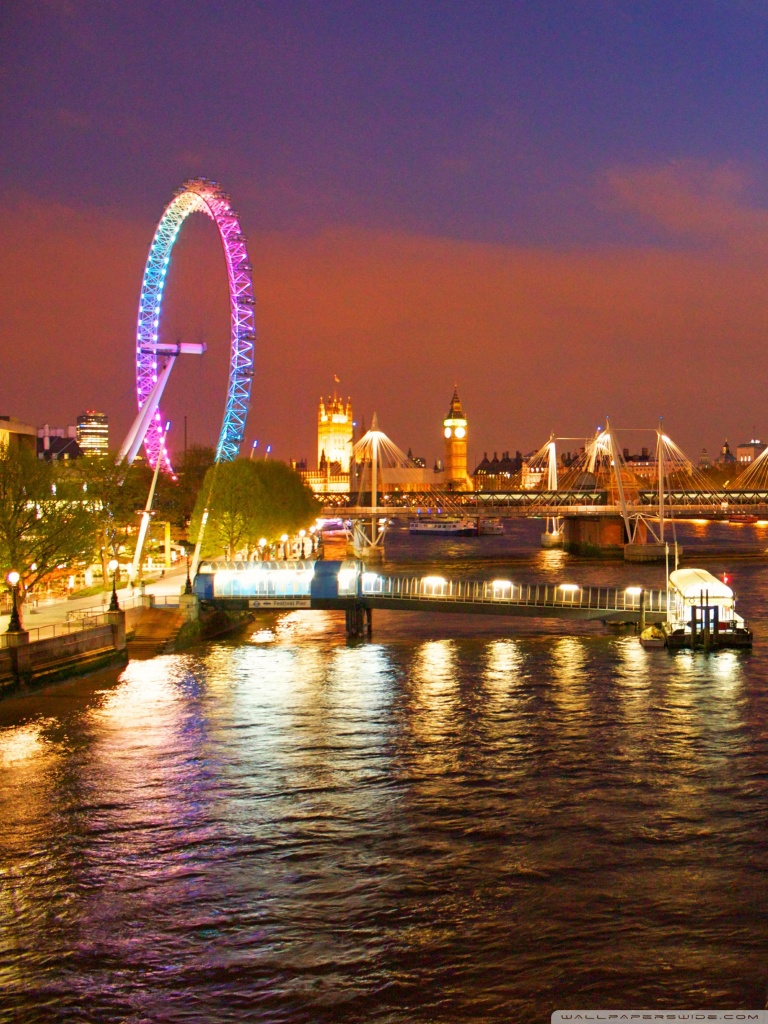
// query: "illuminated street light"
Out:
[113,605]
[14,626]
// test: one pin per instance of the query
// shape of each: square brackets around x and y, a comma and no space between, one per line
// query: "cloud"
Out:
[693,202]
[537,339]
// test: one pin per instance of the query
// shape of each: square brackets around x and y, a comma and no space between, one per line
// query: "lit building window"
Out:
[93,433]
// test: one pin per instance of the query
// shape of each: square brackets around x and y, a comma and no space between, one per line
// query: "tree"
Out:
[250,500]
[46,520]
[118,493]
[175,499]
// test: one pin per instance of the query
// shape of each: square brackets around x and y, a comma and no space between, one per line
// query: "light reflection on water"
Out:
[466,820]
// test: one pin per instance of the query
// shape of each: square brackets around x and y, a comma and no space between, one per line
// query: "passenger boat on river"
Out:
[442,526]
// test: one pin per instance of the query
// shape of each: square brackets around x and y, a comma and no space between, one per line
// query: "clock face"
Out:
[447,431]
[460,431]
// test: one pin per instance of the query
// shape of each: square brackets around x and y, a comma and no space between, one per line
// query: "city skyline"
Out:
[564,214]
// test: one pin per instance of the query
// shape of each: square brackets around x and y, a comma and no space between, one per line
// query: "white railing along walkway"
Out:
[503,592]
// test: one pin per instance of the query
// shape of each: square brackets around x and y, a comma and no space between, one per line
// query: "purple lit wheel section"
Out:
[199,195]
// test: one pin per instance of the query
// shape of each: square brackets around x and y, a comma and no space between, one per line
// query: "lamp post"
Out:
[188,584]
[14,626]
[284,541]
[302,535]
[113,605]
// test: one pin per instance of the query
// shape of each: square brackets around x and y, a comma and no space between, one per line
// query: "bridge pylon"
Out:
[366,541]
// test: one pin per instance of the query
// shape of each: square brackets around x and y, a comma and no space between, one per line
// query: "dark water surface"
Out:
[466,820]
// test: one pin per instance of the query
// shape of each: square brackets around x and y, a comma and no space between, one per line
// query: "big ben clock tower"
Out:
[455,433]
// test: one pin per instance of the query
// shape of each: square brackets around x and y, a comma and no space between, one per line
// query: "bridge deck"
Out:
[513,504]
[502,598]
[431,594]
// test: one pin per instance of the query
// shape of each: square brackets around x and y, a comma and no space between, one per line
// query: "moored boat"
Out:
[702,613]
[490,527]
[442,526]
[653,636]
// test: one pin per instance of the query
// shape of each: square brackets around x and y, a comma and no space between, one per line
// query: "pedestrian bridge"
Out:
[714,504]
[348,586]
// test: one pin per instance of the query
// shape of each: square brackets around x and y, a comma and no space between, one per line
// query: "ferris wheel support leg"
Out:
[203,522]
[136,568]
[137,433]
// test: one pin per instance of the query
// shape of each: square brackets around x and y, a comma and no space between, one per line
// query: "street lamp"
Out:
[284,541]
[113,605]
[302,535]
[14,626]
[254,446]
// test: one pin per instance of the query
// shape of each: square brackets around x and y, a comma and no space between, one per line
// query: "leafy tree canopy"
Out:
[118,493]
[175,500]
[47,518]
[250,500]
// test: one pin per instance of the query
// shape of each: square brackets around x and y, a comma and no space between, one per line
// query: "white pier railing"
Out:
[505,592]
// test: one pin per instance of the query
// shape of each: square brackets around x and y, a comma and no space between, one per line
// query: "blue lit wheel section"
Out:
[199,195]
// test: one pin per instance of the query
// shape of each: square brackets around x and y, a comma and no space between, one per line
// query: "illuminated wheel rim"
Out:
[199,195]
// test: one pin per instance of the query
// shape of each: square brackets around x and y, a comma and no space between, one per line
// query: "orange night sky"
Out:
[554,277]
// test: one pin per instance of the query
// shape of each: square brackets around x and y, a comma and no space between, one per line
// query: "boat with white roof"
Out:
[442,526]
[701,613]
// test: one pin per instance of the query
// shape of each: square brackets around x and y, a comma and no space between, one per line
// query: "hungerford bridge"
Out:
[598,503]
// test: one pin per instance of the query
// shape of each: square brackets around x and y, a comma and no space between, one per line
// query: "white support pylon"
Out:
[617,462]
[553,523]
[660,462]
[145,515]
[135,437]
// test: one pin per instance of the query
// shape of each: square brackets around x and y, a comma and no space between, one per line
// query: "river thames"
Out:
[465,820]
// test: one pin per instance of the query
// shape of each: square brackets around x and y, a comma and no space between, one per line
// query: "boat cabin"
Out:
[699,598]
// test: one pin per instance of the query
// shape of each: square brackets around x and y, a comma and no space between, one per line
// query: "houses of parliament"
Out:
[337,466]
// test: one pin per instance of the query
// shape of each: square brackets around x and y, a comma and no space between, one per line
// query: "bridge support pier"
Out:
[552,540]
[553,535]
[359,622]
[367,542]
[644,552]
[594,535]
[371,554]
